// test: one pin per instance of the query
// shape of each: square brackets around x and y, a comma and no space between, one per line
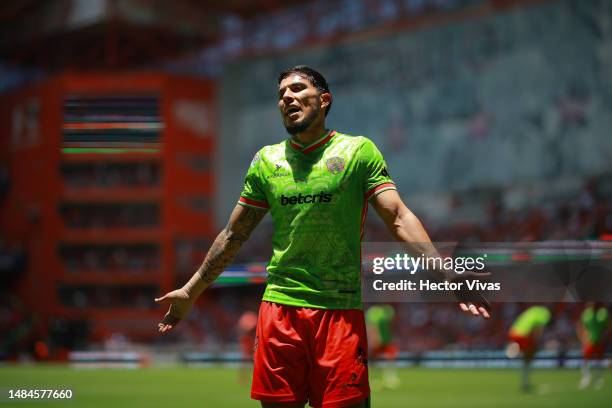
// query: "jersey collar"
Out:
[314,145]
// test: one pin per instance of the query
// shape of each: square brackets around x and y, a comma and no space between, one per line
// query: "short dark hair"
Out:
[314,76]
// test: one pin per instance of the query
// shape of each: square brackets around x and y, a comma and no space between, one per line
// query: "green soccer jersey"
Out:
[531,319]
[595,323]
[318,197]
[381,317]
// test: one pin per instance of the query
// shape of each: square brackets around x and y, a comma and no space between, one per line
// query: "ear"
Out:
[326,99]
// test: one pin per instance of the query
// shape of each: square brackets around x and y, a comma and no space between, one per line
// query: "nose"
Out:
[287,96]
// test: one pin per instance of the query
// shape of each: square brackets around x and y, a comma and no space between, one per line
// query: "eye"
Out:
[294,88]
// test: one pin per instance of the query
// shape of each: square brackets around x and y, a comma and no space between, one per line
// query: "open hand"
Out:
[472,301]
[180,304]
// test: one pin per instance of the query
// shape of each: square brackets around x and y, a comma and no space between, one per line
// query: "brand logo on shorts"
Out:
[335,165]
[361,356]
[353,382]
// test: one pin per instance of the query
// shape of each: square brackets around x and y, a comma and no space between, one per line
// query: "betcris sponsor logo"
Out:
[322,197]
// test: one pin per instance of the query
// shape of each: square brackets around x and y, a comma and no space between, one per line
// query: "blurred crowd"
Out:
[424,327]
[16,325]
[26,336]
[108,296]
[13,261]
[109,174]
[111,258]
[126,215]
[588,215]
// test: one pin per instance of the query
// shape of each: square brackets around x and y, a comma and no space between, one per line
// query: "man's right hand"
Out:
[221,253]
[180,304]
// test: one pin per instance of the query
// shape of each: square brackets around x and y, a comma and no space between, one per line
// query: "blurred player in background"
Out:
[311,335]
[379,322]
[593,331]
[525,334]
[246,333]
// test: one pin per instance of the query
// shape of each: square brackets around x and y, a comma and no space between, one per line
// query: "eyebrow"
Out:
[281,90]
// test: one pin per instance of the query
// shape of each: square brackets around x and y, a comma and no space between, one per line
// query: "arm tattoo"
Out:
[228,242]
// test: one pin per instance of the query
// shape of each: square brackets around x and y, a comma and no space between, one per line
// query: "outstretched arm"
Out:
[242,222]
[407,228]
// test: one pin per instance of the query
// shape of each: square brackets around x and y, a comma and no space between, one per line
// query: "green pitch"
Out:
[219,387]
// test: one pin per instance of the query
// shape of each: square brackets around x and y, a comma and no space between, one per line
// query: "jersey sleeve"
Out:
[253,194]
[376,177]
[584,316]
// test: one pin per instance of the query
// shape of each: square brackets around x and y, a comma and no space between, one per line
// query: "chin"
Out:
[296,127]
[300,125]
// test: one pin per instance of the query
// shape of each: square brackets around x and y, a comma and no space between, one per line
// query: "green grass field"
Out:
[219,387]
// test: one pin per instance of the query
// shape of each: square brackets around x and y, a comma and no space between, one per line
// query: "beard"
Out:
[300,126]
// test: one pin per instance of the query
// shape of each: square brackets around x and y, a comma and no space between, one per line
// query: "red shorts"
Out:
[593,350]
[314,355]
[526,343]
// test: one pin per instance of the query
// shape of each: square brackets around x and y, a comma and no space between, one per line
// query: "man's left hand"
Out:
[472,301]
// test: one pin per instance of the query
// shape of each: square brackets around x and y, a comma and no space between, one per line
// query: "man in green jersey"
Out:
[311,340]
[524,335]
[592,332]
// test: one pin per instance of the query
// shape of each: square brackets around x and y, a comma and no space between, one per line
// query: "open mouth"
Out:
[292,111]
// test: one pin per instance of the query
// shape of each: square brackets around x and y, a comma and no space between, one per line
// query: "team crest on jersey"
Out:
[335,164]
